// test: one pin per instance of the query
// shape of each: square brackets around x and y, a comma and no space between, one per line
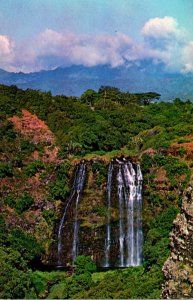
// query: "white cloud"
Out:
[160,27]
[169,39]
[6,52]
[5,45]
[51,49]
[88,50]
[164,41]
[91,50]
[188,58]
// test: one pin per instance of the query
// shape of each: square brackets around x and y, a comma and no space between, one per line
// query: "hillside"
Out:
[43,138]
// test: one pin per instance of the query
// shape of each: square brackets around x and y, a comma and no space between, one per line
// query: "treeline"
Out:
[102,121]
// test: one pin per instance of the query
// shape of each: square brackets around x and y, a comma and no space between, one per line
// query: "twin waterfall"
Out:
[122,238]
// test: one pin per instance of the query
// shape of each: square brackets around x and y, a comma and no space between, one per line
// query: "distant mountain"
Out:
[74,80]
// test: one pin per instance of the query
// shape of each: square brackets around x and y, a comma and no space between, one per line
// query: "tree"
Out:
[84,264]
[147,98]
[14,275]
[89,97]
[109,92]
[25,244]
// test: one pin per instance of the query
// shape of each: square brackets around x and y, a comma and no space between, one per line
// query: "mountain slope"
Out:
[74,80]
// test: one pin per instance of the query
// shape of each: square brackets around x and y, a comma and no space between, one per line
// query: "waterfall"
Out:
[76,190]
[123,239]
[129,191]
[133,182]
[108,238]
[121,216]
[79,188]
[139,235]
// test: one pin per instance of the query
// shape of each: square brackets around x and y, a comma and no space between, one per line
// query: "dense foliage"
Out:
[34,182]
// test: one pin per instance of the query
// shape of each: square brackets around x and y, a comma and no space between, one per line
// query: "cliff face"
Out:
[91,221]
[178,269]
[93,216]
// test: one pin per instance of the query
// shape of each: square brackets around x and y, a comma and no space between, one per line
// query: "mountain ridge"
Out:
[74,80]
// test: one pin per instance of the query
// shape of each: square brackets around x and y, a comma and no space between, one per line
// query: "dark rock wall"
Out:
[92,221]
[91,225]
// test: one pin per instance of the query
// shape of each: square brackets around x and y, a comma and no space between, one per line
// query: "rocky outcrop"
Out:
[178,269]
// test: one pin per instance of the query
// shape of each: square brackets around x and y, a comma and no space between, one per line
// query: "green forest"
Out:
[36,164]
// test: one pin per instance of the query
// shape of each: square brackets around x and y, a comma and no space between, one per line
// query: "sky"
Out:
[45,34]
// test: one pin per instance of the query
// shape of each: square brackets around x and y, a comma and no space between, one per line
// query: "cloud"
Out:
[5,45]
[163,41]
[51,49]
[188,58]
[88,50]
[54,49]
[6,52]
[169,39]
[160,27]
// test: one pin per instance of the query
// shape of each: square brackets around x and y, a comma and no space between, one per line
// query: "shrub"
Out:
[156,243]
[27,147]
[102,211]
[164,221]
[173,166]
[59,291]
[8,131]
[39,284]
[49,215]
[182,152]
[79,283]
[3,229]
[5,169]
[26,244]
[14,275]
[154,198]
[62,171]
[10,200]
[34,167]
[59,188]
[84,264]
[175,169]
[146,162]
[54,281]
[20,204]
[24,203]
[100,170]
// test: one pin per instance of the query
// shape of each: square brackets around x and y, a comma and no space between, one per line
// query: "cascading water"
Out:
[76,190]
[139,234]
[123,240]
[108,239]
[79,188]
[133,181]
[121,215]
[129,191]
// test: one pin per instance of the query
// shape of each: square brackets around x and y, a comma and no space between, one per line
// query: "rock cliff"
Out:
[178,269]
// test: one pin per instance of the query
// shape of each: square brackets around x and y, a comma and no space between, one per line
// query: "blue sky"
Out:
[44,34]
